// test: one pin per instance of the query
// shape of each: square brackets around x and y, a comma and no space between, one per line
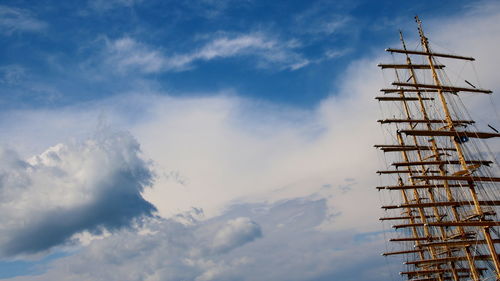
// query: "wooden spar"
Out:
[458,178]
[408,66]
[402,252]
[465,223]
[405,90]
[429,54]
[431,271]
[444,88]
[463,276]
[412,239]
[400,99]
[442,204]
[384,121]
[406,172]
[397,187]
[443,260]
[397,226]
[397,218]
[392,148]
[442,162]
[402,218]
[457,243]
[460,276]
[431,133]
[399,149]
[431,278]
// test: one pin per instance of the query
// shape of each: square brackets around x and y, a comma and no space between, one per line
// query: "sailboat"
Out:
[441,183]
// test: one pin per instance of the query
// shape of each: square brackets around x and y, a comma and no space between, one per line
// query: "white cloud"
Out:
[217,150]
[336,53]
[18,20]
[211,151]
[269,51]
[235,233]
[70,188]
[126,54]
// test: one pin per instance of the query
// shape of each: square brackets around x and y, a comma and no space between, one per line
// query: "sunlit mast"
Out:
[446,223]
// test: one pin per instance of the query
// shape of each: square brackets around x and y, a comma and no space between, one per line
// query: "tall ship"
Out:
[442,197]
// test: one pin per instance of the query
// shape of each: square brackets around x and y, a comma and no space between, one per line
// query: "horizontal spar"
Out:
[403,218]
[412,239]
[407,172]
[409,66]
[448,259]
[457,178]
[442,162]
[385,121]
[442,87]
[431,133]
[402,252]
[433,278]
[457,243]
[392,148]
[443,270]
[400,98]
[402,187]
[465,223]
[405,90]
[460,276]
[398,226]
[442,204]
[428,54]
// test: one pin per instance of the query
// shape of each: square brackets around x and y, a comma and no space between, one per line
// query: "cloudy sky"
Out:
[208,139]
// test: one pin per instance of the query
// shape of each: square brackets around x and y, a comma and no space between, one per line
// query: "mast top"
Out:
[424,39]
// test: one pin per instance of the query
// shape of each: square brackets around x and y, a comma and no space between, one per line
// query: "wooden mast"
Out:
[441,230]
[451,125]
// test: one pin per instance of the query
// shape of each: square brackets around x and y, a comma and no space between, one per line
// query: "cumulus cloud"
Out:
[289,248]
[127,54]
[18,20]
[93,186]
[235,233]
[210,151]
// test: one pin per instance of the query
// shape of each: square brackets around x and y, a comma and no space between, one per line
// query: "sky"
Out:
[209,140]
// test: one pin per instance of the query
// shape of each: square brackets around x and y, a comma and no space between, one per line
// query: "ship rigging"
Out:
[445,197]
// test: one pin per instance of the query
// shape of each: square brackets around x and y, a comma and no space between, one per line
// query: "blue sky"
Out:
[206,140]
[294,51]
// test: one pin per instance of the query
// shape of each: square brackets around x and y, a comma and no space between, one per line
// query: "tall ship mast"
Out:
[444,197]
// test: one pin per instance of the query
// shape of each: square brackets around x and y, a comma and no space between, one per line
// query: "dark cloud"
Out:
[279,241]
[93,186]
